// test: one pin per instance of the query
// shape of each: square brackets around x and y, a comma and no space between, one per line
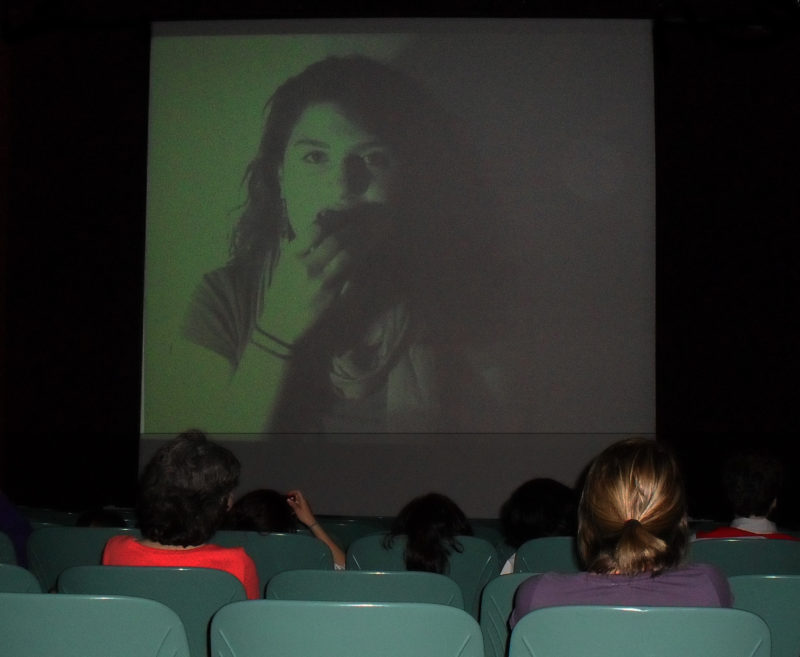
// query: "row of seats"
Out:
[195,594]
[54,548]
[93,626]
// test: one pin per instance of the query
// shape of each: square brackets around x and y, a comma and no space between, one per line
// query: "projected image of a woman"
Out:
[358,295]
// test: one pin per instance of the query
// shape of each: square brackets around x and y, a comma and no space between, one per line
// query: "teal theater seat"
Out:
[290,628]
[55,548]
[497,601]
[16,579]
[748,556]
[274,553]
[548,554]
[611,631]
[195,594]
[471,568]
[45,624]
[365,586]
[776,598]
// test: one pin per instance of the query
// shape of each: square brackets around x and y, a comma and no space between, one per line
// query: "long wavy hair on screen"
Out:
[632,512]
[431,524]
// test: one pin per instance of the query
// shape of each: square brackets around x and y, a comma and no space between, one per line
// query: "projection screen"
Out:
[372,244]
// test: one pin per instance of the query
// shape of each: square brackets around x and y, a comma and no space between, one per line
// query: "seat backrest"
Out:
[294,628]
[611,631]
[488,530]
[548,554]
[274,553]
[53,549]
[748,556]
[16,579]
[365,586]
[7,553]
[776,598]
[345,530]
[471,568]
[88,626]
[497,601]
[195,594]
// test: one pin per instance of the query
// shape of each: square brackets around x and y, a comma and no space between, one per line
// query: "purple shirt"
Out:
[692,585]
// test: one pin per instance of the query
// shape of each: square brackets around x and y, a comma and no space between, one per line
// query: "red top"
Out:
[127,551]
[733,532]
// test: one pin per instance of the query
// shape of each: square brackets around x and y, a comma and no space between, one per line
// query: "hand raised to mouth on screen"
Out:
[310,278]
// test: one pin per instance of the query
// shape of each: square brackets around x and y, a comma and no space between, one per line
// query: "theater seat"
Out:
[471,569]
[195,594]
[53,549]
[606,631]
[748,556]
[16,579]
[38,624]
[290,628]
[275,553]
[547,554]
[497,601]
[365,586]
[776,598]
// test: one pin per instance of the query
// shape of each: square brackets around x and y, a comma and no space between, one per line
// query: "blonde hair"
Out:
[632,511]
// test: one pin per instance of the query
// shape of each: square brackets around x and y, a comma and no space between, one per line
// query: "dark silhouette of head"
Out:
[262,510]
[539,507]
[431,524]
[752,479]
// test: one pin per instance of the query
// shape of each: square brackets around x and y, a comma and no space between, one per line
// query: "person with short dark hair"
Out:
[632,539]
[185,491]
[266,510]
[431,524]
[262,510]
[752,479]
[539,507]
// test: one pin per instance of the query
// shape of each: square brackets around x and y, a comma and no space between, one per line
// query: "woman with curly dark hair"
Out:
[632,539]
[185,491]
[431,525]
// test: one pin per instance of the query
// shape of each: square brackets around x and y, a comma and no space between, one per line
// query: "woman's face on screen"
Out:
[332,163]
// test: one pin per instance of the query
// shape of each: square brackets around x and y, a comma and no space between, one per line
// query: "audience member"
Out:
[632,538]
[539,507]
[267,510]
[17,527]
[431,524]
[184,493]
[752,479]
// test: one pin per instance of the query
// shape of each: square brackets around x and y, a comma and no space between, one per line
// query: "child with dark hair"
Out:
[431,524]
[753,479]
[263,510]
[539,507]
[267,510]
[184,493]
